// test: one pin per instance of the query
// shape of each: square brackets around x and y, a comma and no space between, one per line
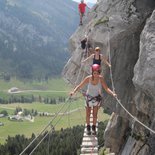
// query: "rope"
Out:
[134,117]
[118,101]
[82,118]
[79,109]
[53,126]
[40,142]
[62,115]
[75,140]
[44,128]
[49,139]
[68,115]
[111,75]
[49,144]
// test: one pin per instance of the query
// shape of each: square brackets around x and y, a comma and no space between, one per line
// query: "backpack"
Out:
[83,44]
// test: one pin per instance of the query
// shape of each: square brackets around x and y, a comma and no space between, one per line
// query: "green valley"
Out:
[72,111]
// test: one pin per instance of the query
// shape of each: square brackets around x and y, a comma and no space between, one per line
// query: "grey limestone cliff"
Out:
[125,28]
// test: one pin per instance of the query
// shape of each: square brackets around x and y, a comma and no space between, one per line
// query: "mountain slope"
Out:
[34,35]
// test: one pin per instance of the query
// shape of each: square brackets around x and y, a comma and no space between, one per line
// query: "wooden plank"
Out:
[89,150]
[89,154]
[85,130]
[90,144]
[85,135]
[92,124]
[88,139]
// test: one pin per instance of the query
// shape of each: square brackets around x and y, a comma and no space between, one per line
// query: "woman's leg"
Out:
[95,111]
[88,110]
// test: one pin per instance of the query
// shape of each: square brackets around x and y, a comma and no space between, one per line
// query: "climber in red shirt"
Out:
[82,8]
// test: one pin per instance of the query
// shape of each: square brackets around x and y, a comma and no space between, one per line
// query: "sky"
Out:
[92,1]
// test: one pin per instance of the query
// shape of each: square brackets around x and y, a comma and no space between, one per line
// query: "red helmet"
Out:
[95,67]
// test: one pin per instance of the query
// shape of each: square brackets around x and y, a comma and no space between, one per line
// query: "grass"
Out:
[13,128]
[40,107]
[52,88]
[57,84]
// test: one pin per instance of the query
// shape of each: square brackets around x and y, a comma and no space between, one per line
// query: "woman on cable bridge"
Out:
[93,95]
[97,58]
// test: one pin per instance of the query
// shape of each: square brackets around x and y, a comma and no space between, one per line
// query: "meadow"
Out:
[76,107]
[52,87]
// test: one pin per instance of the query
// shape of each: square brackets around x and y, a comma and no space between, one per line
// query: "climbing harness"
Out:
[93,99]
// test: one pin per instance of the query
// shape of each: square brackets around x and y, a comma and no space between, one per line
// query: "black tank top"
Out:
[97,61]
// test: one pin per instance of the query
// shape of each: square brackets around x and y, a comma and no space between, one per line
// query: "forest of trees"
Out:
[30,99]
[63,142]
[33,40]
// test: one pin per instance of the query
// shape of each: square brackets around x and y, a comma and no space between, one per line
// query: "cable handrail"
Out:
[118,101]
[53,126]
[39,143]
[44,128]
[135,118]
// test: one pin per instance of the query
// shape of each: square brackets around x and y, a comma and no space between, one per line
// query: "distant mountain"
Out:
[34,36]
[90,4]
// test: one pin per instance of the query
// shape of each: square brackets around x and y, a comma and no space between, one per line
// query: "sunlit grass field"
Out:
[52,88]
[77,117]
[12,128]
[56,84]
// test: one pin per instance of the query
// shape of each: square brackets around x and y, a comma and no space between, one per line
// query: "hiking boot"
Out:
[93,130]
[88,130]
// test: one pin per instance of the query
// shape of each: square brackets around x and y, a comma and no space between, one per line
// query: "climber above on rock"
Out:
[82,8]
[97,58]
[86,46]
[94,83]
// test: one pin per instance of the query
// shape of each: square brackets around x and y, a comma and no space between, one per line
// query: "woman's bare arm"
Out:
[88,58]
[81,85]
[105,61]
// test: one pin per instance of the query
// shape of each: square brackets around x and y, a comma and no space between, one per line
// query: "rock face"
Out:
[144,77]
[120,27]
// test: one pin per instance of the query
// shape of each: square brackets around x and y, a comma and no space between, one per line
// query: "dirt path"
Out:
[48,91]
